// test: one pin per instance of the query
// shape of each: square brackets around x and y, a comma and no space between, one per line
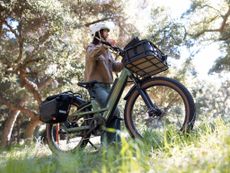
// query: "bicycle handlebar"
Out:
[114,48]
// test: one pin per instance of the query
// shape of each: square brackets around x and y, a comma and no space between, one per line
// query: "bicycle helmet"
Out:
[97,27]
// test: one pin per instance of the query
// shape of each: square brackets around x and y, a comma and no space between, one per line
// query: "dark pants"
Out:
[100,93]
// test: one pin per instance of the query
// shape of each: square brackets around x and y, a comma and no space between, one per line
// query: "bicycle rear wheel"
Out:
[60,140]
[171,97]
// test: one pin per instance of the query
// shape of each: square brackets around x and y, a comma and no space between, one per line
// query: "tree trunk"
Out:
[9,123]
[34,122]
[8,127]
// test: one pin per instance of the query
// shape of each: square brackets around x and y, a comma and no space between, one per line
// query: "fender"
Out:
[77,100]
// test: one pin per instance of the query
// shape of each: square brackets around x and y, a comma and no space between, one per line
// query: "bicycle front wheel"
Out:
[171,97]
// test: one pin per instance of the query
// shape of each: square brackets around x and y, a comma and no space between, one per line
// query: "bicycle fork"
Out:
[153,110]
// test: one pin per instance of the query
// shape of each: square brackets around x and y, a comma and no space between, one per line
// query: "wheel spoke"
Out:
[57,132]
[171,97]
[59,140]
[92,145]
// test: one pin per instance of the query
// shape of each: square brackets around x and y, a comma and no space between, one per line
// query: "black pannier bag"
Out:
[55,108]
[143,58]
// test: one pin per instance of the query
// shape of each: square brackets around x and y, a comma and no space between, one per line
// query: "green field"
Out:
[206,149]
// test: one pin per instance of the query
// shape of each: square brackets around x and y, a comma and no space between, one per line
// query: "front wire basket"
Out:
[144,59]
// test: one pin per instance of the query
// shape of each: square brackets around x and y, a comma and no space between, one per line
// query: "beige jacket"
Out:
[100,64]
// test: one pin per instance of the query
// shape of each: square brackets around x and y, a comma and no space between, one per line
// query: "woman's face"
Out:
[105,33]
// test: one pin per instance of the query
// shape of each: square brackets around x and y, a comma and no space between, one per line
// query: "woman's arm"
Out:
[95,51]
[117,66]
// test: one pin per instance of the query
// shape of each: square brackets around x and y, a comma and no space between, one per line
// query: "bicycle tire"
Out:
[160,82]
[55,145]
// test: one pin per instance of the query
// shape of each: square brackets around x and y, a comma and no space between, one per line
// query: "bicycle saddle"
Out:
[87,84]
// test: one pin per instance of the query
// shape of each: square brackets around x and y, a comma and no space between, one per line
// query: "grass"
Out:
[206,149]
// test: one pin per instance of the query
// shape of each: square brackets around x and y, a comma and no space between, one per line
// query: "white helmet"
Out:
[97,27]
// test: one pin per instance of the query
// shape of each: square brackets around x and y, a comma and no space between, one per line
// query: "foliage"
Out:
[42,48]
[211,26]
[192,32]
[174,153]
[43,45]
[212,100]
[169,34]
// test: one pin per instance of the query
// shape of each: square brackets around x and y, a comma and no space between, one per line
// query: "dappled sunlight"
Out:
[174,86]
[206,149]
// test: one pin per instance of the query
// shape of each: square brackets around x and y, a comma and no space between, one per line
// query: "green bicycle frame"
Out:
[114,98]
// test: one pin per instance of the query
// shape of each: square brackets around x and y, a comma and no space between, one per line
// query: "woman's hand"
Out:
[111,41]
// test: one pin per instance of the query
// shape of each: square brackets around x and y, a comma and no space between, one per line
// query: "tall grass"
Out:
[206,149]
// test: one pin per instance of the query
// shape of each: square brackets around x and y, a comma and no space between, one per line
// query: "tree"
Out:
[194,31]
[212,101]
[41,45]
[171,36]
[26,29]
[212,26]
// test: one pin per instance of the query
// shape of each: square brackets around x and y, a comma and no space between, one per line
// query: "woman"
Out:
[99,66]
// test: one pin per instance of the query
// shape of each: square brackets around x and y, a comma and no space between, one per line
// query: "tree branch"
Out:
[209,6]
[225,18]
[12,106]
[29,85]
[221,28]
[93,22]
[41,41]
[29,61]
[45,83]
[97,21]
[20,41]
[11,29]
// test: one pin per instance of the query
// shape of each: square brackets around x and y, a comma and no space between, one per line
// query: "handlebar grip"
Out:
[116,49]
[106,43]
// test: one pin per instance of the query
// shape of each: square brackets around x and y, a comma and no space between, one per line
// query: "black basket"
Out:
[55,109]
[144,59]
